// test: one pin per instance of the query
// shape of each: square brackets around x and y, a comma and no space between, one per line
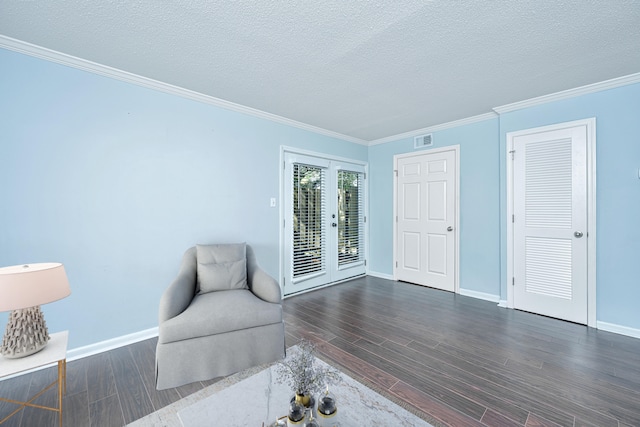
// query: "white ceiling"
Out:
[364,69]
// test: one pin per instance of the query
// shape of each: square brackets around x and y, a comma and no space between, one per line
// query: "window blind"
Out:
[350,217]
[309,234]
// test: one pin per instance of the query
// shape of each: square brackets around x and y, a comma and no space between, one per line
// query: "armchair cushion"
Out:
[221,267]
[217,312]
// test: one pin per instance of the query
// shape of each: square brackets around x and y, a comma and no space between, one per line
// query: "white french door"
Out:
[550,221]
[324,211]
[427,218]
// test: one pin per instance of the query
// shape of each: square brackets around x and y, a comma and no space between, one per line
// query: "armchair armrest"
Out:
[260,282]
[177,297]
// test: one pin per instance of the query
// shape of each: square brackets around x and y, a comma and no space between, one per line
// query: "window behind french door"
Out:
[324,210]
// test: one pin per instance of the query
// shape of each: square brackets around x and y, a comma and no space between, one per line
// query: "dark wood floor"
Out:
[463,361]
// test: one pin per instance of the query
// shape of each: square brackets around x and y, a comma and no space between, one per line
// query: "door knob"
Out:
[578,234]
[449,228]
[333,224]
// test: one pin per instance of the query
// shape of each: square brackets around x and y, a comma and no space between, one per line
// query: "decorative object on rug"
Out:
[307,401]
[311,422]
[221,314]
[327,410]
[304,376]
[300,372]
[297,413]
[23,288]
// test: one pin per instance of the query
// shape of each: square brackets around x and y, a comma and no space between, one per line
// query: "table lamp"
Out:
[23,288]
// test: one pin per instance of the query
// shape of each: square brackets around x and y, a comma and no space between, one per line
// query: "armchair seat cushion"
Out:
[217,312]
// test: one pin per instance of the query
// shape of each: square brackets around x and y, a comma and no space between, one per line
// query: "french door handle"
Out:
[333,224]
[578,234]
[449,228]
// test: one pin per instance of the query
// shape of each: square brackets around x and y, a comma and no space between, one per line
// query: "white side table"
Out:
[54,352]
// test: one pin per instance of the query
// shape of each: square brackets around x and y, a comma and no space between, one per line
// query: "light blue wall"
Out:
[116,181]
[479,203]
[483,197]
[617,113]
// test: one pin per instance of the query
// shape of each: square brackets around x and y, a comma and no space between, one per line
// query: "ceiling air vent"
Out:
[423,141]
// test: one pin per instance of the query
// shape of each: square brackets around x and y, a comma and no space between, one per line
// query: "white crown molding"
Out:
[443,126]
[103,70]
[565,94]
[570,93]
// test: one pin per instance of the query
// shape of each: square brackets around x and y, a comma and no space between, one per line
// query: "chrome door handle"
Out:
[449,228]
[578,234]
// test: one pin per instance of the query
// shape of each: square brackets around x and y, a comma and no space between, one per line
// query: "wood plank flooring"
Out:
[463,361]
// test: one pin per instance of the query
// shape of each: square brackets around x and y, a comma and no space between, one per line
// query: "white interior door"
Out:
[324,211]
[426,218]
[550,229]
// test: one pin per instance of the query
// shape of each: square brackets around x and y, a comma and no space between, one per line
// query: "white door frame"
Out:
[591,209]
[282,214]
[456,149]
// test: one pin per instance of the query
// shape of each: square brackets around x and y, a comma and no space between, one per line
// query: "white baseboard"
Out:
[99,347]
[479,295]
[503,303]
[618,329]
[380,275]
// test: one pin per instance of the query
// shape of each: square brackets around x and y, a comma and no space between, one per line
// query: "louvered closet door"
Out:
[550,223]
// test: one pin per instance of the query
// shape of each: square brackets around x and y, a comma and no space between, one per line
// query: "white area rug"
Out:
[252,397]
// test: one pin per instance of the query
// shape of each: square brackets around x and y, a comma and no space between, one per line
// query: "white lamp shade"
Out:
[29,285]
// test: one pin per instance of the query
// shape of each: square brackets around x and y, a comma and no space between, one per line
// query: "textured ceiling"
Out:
[364,69]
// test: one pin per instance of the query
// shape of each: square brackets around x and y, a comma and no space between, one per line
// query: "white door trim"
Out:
[284,149]
[456,149]
[591,210]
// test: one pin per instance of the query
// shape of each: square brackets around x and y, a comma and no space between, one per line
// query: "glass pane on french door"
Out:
[324,238]
[350,217]
[308,210]
[306,231]
[347,235]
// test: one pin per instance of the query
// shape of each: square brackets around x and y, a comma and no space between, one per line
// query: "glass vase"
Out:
[327,410]
[297,413]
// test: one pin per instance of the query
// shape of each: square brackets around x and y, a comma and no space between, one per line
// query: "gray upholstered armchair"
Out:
[222,314]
